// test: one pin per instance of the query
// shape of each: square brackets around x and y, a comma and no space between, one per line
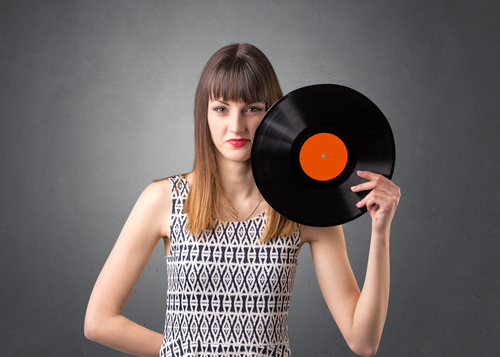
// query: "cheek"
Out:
[210,123]
[253,126]
[214,129]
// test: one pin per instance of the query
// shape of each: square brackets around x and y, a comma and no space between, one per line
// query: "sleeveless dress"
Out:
[227,294]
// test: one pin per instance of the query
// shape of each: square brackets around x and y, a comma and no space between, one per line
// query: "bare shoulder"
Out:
[158,190]
[156,196]
[154,206]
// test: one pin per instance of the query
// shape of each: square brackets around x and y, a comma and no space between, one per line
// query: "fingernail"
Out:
[360,172]
[358,204]
[354,188]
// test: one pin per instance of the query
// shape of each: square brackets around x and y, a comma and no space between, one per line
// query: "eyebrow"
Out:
[226,103]
[220,101]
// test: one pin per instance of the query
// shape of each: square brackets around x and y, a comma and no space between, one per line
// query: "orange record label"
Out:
[323,156]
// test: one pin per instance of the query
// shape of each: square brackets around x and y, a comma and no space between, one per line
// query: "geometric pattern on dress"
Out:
[227,294]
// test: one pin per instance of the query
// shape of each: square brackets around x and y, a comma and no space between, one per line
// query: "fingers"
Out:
[368,175]
[383,191]
[376,198]
[375,181]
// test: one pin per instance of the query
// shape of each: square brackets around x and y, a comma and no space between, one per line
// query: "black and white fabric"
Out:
[227,294]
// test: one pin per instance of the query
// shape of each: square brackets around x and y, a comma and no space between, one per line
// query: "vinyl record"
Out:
[308,148]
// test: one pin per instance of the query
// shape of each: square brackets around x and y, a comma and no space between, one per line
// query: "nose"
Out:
[237,124]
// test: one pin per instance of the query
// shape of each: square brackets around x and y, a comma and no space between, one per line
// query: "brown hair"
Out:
[237,72]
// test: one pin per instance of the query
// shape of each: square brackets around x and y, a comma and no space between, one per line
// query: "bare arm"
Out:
[359,315]
[104,321]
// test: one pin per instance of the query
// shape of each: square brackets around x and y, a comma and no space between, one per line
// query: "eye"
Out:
[254,109]
[219,109]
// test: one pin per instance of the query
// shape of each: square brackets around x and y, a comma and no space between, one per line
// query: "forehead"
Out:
[237,87]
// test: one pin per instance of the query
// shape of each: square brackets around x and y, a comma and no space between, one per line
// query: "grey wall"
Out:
[96,101]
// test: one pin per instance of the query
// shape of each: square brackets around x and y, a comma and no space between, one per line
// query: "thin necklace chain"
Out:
[258,203]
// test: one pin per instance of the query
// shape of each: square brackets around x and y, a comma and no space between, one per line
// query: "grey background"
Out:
[96,102]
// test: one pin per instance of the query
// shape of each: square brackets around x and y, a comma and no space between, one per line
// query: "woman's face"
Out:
[233,125]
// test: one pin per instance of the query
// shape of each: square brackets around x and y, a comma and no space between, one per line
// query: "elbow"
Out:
[365,350]
[365,345]
[90,329]
[93,328]
[99,328]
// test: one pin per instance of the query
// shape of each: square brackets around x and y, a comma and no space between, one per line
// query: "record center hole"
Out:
[313,156]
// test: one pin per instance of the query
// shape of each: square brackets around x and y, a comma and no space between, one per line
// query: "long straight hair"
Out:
[237,72]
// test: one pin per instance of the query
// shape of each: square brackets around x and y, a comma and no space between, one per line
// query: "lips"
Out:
[238,142]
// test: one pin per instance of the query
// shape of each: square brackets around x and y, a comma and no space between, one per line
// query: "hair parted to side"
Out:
[237,72]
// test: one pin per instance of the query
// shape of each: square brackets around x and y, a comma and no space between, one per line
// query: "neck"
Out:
[237,180]
[238,185]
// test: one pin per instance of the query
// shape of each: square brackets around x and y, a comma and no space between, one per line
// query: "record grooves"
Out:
[309,146]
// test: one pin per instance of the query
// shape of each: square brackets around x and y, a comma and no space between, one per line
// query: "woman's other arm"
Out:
[359,315]
[148,222]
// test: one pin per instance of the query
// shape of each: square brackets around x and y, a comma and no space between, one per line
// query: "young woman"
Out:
[231,258]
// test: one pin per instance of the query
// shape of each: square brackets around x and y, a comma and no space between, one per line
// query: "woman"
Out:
[230,257]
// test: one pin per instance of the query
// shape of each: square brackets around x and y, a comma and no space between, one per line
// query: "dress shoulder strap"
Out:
[180,187]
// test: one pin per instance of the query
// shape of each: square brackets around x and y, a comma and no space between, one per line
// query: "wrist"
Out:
[381,234]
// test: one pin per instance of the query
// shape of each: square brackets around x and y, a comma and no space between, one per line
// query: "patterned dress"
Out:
[227,294]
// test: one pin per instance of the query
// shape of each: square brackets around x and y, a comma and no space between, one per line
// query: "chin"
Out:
[238,158]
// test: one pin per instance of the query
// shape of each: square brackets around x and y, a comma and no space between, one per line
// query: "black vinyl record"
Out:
[308,148]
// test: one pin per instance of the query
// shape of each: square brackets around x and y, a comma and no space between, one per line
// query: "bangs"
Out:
[238,82]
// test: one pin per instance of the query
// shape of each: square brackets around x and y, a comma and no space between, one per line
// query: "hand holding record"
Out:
[382,200]
[308,148]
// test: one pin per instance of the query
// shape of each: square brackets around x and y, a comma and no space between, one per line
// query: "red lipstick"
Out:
[238,142]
